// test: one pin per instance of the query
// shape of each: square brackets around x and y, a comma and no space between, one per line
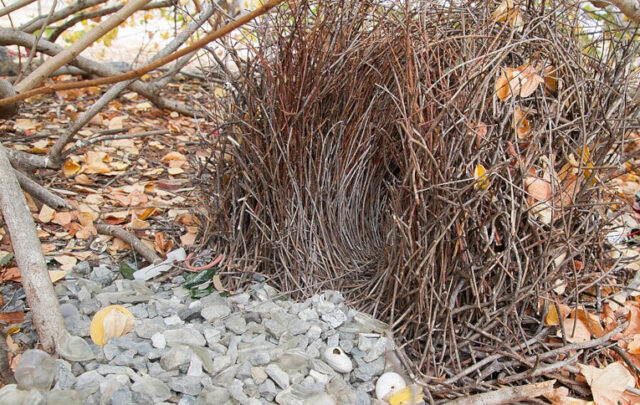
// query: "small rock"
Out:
[186,385]
[184,336]
[236,324]
[176,357]
[213,312]
[258,375]
[158,341]
[153,387]
[277,375]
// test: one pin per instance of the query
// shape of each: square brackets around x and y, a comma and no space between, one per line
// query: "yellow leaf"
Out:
[111,321]
[480,175]
[409,395]
[70,168]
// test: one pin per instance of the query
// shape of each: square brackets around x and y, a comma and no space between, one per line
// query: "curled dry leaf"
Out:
[95,162]
[70,168]
[111,321]
[560,396]
[508,12]
[522,81]
[608,384]
[549,74]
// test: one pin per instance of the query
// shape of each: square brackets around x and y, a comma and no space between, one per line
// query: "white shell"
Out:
[335,357]
[389,383]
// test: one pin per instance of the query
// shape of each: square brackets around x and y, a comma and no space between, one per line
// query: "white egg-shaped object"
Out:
[338,360]
[389,383]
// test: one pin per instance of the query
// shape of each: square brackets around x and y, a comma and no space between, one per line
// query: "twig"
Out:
[626,359]
[507,395]
[131,239]
[14,6]
[87,142]
[41,193]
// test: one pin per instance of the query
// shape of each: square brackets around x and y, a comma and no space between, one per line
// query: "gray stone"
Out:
[362,398]
[236,391]
[89,382]
[152,387]
[381,346]
[64,377]
[102,275]
[258,375]
[236,324]
[63,397]
[36,370]
[176,357]
[367,371]
[268,390]
[148,328]
[215,395]
[277,375]
[220,363]
[225,377]
[186,385]
[158,341]
[184,336]
[11,395]
[187,400]
[213,312]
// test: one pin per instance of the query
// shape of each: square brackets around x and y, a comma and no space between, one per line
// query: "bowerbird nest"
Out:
[345,159]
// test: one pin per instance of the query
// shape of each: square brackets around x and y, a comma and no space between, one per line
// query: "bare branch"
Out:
[35,278]
[34,23]
[131,239]
[15,6]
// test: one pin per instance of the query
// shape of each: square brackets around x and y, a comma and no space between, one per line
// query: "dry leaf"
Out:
[56,275]
[552,319]
[111,321]
[188,239]
[95,162]
[173,156]
[9,318]
[502,88]
[520,123]
[117,122]
[608,384]
[549,74]
[502,12]
[63,218]
[46,214]
[577,331]
[560,396]
[66,262]
[26,124]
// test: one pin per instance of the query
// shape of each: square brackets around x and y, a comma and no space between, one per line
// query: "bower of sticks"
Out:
[364,146]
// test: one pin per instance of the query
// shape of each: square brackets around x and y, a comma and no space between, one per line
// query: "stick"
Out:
[80,145]
[131,239]
[507,395]
[41,193]
[28,252]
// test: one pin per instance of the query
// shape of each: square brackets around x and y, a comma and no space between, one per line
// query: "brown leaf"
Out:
[96,162]
[9,318]
[521,123]
[608,384]
[577,331]
[46,214]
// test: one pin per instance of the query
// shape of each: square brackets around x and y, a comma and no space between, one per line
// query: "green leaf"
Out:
[127,270]
[197,293]
[200,277]
[6,259]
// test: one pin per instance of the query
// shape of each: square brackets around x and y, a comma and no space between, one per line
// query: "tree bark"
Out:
[43,71]
[28,253]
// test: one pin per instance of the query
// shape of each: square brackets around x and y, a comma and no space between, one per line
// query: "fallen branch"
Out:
[28,253]
[136,72]
[40,193]
[507,395]
[131,239]
[83,144]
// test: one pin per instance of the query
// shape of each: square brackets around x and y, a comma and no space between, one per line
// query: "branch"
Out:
[12,37]
[101,13]
[14,6]
[42,72]
[114,91]
[507,395]
[33,24]
[145,69]
[630,8]
[35,278]
[131,239]
[41,193]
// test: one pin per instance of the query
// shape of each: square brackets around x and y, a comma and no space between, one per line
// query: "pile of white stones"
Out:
[252,348]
